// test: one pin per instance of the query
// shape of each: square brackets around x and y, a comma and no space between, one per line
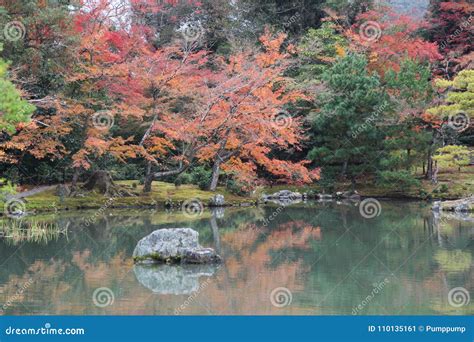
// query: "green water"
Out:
[313,259]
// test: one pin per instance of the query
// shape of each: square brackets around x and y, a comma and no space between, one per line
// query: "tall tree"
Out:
[345,133]
[451,28]
[237,123]
[13,109]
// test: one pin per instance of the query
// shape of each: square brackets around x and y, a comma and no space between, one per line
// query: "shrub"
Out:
[6,188]
[402,180]
[201,176]
[443,188]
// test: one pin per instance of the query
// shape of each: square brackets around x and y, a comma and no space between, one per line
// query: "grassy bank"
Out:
[451,185]
[162,194]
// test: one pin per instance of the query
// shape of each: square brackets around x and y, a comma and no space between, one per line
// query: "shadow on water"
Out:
[326,256]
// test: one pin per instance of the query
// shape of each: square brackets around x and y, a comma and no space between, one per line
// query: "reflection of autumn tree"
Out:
[328,269]
[249,271]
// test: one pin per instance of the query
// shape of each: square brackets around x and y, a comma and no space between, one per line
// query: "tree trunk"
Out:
[429,166]
[408,159]
[434,178]
[429,163]
[344,168]
[102,181]
[148,178]
[216,168]
[215,232]
[75,178]
[150,175]
[353,183]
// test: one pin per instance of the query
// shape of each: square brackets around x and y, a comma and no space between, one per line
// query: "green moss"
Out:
[162,194]
[156,257]
[452,184]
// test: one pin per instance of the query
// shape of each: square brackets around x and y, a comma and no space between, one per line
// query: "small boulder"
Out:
[284,197]
[174,245]
[217,201]
[62,190]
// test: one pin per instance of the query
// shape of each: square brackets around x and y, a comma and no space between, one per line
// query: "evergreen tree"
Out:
[13,109]
[345,132]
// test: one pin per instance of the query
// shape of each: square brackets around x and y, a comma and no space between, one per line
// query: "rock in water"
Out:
[459,206]
[173,245]
[217,201]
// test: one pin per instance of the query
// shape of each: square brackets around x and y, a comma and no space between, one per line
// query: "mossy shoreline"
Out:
[167,195]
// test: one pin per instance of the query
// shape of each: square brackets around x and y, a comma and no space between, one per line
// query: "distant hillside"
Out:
[416,8]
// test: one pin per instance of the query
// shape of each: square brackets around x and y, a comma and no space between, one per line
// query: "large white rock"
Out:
[173,245]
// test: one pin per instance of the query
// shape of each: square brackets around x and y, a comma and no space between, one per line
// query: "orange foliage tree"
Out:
[239,119]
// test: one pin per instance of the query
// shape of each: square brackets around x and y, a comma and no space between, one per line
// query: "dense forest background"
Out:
[235,93]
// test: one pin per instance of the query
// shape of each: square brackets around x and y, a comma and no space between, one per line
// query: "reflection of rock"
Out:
[171,279]
[351,195]
[217,201]
[218,212]
[457,210]
[325,197]
[459,206]
[284,197]
[452,215]
[174,245]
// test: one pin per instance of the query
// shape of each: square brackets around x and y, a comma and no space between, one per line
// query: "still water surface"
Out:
[313,259]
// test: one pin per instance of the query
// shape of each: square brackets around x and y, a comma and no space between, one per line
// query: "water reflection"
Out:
[326,254]
[172,279]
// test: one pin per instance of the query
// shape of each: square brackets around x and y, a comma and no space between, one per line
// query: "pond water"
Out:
[309,259]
